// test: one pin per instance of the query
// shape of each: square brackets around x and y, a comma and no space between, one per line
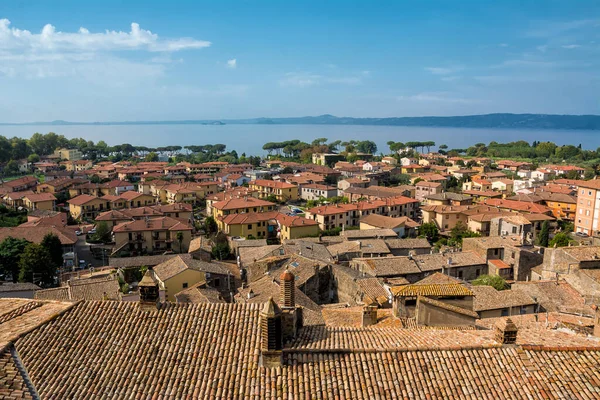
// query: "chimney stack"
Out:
[369,315]
[149,293]
[506,331]
[288,286]
[271,337]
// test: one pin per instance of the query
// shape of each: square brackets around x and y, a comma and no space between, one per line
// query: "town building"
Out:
[588,208]
[152,236]
[282,191]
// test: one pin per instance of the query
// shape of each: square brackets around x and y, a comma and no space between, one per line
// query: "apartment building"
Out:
[588,207]
[345,215]
[268,225]
[282,191]
[315,191]
[152,236]
[69,154]
[87,207]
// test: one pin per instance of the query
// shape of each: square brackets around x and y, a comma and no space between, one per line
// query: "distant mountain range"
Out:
[507,121]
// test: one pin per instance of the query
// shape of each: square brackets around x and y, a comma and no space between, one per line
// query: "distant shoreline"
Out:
[500,121]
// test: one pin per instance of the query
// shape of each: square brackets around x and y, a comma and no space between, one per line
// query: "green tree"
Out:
[561,239]
[210,225]
[33,158]
[180,241]
[52,243]
[495,281]
[366,146]
[103,233]
[12,167]
[544,236]
[36,265]
[459,232]
[221,251]
[10,253]
[151,157]
[430,231]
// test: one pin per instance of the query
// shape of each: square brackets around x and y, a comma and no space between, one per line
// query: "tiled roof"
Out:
[448,307]
[242,202]
[437,278]
[272,184]
[34,198]
[199,293]
[408,243]
[82,199]
[373,288]
[390,266]
[488,298]
[83,289]
[554,297]
[382,221]
[179,263]
[117,350]
[35,234]
[354,234]
[152,224]
[7,287]
[433,289]
[433,262]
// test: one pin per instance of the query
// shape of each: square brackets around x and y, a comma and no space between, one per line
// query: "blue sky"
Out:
[151,60]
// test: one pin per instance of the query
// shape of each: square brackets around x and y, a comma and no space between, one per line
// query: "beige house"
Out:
[282,191]
[177,274]
[86,206]
[152,236]
[136,199]
[39,201]
[69,154]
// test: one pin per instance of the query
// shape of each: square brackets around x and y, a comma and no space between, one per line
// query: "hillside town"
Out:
[418,274]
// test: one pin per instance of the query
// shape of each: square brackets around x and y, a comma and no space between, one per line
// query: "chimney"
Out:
[271,337]
[506,331]
[369,315]
[287,299]
[149,293]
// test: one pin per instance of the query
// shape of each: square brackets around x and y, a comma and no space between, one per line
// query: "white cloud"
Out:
[232,64]
[438,97]
[450,78]
[571,46]
[542,48]
[49,39]
[306,79]
[443,70]
[51,53]
[503,45]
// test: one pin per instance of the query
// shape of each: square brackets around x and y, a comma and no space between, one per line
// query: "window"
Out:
[460,274]
[505,312]
[477,272]
[185,285]
[514,229]
[216,282]
[249,226]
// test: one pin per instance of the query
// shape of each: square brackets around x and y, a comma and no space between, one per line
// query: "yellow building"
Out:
[282,191]
[237,205]
[78,165]
[69,154]
[152,236]
[267,225]
[86,206]
[177,274]
[136,199]
[39,201]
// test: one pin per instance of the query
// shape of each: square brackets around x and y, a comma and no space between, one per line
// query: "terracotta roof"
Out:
[117,350]
[390,266]
[37,197]
[434,262]
[82,199]
[447,289]
[488,298]
[448,307]
[152,224]
[553,297]
[438,278]
[199,293]
[353,234]
[382,221]
[36,233]
[179,263]
[83,289]
[272,184]
[518,205]
[7,287]
[235,203]
[407,243]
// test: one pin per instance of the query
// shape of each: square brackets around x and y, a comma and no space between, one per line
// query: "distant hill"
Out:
[507,121]
[530,121]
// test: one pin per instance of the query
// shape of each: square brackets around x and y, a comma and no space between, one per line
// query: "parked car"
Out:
[78,232]
[82,264]
[92,231]
[581,234]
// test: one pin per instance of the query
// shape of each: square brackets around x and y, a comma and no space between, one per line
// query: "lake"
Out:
[250,138]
